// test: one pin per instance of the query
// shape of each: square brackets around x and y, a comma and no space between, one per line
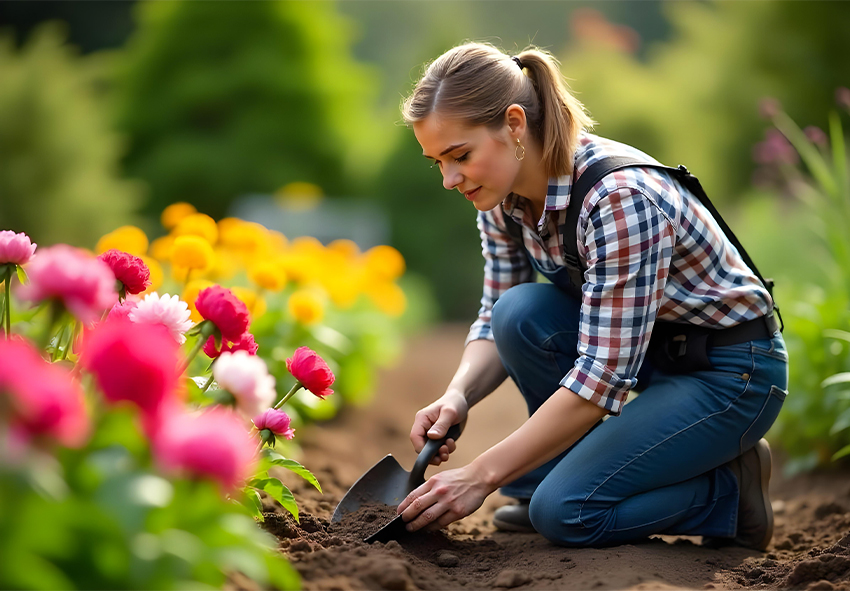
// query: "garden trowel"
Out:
[388,483]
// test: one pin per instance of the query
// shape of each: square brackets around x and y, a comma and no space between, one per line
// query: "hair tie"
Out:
[518,62]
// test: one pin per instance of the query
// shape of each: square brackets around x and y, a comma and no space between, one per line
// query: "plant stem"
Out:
[289,395]
[8,311]
[206,329]
[208,384]
[56,310]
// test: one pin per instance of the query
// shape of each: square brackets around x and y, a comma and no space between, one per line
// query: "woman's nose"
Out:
[451,177]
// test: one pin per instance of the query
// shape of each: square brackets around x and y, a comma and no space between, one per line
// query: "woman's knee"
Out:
[512,310]
[568,521]
[533,311]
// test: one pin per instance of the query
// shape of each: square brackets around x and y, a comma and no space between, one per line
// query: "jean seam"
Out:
[679,432]
[544,344]
[658,520]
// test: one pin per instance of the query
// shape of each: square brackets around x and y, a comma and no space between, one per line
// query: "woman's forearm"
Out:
[557,424]
[479,373]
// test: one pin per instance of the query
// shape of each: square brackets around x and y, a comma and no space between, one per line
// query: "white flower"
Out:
[247,378]
[169,311]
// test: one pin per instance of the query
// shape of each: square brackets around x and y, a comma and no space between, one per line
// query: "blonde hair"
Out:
[476,83]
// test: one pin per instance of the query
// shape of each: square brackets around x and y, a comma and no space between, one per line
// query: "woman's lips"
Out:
[471,194]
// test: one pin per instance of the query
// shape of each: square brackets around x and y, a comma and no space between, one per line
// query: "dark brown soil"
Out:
[810,549]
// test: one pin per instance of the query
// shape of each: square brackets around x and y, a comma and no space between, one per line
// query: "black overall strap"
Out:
[594,173]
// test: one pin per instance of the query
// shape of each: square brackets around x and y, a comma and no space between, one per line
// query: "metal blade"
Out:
[386,482]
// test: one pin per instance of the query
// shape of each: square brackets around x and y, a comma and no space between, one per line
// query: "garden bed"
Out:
[810,549]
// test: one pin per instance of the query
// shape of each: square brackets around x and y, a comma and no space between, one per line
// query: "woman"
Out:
[666,306]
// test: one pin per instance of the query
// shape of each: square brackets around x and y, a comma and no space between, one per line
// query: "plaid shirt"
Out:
[652,251]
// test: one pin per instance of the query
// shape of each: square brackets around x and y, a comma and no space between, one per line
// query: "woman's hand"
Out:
[444,498]
[433,422]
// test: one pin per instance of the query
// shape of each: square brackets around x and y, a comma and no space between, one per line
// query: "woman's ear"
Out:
[515,120]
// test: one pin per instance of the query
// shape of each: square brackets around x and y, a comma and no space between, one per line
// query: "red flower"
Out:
[245,343]
[276,421]
[133,362]
[229,314]
[130,270]
[214,445]
[43,398]
[312,371]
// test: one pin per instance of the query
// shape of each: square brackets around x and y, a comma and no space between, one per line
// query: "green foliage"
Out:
[100,518]
[814,426]
[227,98]
[58,156]
[695,98]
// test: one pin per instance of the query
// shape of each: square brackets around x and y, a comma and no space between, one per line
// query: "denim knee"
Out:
[567,520]
[511,311]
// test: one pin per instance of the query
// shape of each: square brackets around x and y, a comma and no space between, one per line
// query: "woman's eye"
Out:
[462,158]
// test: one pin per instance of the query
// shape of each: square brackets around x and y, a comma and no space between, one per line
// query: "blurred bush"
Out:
[695,98]
[59,177]
[226,98]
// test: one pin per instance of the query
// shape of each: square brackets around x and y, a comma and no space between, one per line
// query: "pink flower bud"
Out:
[842,97]
[84,284]
[16,249]
[130,270]
[212,445]
[816,135]
[312,371]
[769,107]
[775,149]
[245,343]
[229,314]
[275,421]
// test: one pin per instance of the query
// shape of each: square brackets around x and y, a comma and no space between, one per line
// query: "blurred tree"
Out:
[227,98]
[695,100]
[58,157]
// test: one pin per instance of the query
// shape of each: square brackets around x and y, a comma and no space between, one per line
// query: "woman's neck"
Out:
[532,181]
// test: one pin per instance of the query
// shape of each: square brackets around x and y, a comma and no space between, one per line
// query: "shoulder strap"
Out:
[598,170]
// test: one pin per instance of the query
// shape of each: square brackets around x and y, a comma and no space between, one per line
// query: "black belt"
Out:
[760,328]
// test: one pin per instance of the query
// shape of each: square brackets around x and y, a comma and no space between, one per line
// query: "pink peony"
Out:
[130,270]
[245,343]
[84,284]
[121,310]
[275,421]
[842,97]
[312,371]
[16,249]
[229,314]
[247,378]
[214,445]
[167,311]
[816,135]
[133,362]
[43,398]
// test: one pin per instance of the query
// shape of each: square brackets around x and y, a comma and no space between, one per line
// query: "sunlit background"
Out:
[286,113]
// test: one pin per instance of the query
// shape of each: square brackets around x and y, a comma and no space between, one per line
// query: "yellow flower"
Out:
[306,307]
[197,224]
[126,238]
[192,253]
[299,195]
[388,297]
[277,241]
[160,249]
[248,239]
[174,214]
[268,275]
[226,265]
[157,275]
[385,262]
[347,248]
[255,303]
[190,294]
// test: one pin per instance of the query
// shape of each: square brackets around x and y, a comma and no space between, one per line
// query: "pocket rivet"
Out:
[745,376]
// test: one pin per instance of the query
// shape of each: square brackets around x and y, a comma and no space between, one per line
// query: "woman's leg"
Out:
[658,467]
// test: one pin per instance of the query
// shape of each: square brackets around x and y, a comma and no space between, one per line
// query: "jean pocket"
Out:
[764,419]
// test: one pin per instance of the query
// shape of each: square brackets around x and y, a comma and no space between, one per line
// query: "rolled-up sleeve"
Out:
[505,265]
[629,245]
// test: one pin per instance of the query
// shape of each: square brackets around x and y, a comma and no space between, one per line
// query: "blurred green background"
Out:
[109,111]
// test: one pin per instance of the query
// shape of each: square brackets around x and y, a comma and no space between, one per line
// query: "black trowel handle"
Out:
[432,446]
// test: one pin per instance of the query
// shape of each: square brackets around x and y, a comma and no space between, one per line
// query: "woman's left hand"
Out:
[444,498]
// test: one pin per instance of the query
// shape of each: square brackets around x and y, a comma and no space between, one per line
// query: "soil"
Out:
[810,549]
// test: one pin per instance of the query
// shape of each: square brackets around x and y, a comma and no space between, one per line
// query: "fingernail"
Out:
[408,527]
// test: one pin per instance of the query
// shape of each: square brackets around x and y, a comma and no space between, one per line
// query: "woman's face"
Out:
[477,161]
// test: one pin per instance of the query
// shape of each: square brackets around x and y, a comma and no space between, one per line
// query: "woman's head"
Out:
[476,83]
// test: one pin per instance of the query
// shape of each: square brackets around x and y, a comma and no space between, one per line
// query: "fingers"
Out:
[422,423]
[424,511]
[442,454]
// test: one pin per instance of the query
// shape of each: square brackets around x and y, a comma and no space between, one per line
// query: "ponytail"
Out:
[476,83]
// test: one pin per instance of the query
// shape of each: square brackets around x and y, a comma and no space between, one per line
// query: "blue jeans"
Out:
[658,467]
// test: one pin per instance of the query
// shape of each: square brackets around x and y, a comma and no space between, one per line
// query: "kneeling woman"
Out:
[663,304]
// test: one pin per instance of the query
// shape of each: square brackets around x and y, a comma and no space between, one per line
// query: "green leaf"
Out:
[279,492]
[814,161]
[844,451]
[253,503]
[281,573]
[841,423]
[839,378]
[22,275]
[839,157]
[278,460]
[841,335]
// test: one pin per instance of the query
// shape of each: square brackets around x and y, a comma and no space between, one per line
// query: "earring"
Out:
[517,154]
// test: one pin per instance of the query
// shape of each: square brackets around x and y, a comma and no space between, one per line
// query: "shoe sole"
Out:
[513,527]
[763,452]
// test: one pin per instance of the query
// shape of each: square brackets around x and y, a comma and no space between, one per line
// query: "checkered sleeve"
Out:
[505,265]
[629,245]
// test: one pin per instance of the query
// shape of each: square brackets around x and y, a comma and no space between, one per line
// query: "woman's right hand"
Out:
[433,422]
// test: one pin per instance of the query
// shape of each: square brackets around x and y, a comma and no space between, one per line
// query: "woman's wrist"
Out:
[486,472]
